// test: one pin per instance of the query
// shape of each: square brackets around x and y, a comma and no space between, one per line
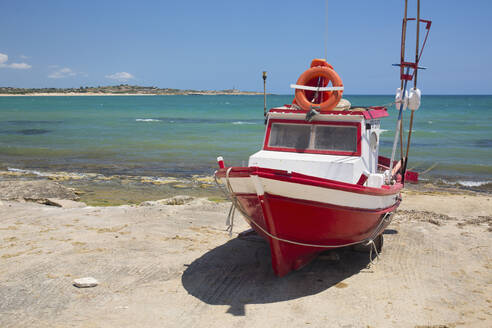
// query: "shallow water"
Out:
[183,135]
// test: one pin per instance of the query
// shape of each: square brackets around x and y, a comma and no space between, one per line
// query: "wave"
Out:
[242,122]
[473,183]
[147,120]
[13,169]
[467,183]
[53,175]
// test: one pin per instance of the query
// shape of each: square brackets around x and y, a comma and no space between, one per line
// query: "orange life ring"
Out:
[320,74]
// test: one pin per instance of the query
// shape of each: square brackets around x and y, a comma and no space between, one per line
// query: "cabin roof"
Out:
[367,112]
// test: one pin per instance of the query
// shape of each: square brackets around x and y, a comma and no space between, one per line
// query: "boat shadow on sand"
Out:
[239,272]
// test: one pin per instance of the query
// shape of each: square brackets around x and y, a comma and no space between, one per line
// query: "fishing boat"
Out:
[318,182]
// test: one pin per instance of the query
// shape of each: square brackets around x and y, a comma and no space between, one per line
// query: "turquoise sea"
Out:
[183,135]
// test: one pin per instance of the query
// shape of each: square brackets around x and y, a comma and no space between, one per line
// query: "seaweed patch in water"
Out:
[27,122]
[484,143]
[29,132]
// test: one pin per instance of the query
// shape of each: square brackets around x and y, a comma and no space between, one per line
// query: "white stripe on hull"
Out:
[327,195]
[242,185]
[313,193]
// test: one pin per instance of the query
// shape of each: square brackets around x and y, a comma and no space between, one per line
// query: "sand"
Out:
[64,94]
[162,265]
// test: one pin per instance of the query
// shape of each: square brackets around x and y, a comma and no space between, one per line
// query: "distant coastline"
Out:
[118,90]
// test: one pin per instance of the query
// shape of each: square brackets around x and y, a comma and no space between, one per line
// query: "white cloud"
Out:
[23,57]
[3,63]
[20,66]
[62,73]
[120,76]
[3,59]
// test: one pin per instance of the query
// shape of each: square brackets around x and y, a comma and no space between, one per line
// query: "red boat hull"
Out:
[288,222]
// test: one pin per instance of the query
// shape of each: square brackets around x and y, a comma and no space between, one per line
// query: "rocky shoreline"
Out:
[97,189]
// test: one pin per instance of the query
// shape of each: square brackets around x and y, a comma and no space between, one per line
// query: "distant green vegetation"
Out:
[119,89]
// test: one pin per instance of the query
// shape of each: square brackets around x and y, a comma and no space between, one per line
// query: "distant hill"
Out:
[122,89]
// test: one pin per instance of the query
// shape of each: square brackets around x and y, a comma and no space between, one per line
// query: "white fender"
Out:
[399,101]
[414,99]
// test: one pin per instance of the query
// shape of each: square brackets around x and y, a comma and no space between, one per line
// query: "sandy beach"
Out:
[170,263]
[55,94]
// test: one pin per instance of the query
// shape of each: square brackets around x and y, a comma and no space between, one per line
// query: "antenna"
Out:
[264,94]
[326,31]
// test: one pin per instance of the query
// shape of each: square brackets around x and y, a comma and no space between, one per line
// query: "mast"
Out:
[403,86]
[413,100]
[417,44]
[399,122]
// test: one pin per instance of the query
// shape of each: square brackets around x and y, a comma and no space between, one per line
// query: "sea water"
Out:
[183,135]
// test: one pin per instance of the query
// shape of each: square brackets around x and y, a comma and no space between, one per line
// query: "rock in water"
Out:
[85,282]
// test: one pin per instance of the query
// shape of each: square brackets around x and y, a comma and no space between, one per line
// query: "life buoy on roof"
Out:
[312,89]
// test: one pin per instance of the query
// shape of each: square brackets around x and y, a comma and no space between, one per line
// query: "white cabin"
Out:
[335,145]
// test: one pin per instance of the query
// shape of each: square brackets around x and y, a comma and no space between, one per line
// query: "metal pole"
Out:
[404,169]
[408,140]
[264,94]
[401,135]
[417,46]
[402,58]
[403,37]
[399,124]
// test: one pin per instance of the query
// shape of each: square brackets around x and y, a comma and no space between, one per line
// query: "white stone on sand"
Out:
[85,282]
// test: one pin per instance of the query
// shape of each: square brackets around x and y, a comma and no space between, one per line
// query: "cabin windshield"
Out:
[338,138]
[290,135]
[324,138]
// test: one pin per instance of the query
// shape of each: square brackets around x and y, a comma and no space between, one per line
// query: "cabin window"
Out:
[330,138]
[336,138]
[290,135]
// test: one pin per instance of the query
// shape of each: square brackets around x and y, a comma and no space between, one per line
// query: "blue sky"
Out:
[223,44]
